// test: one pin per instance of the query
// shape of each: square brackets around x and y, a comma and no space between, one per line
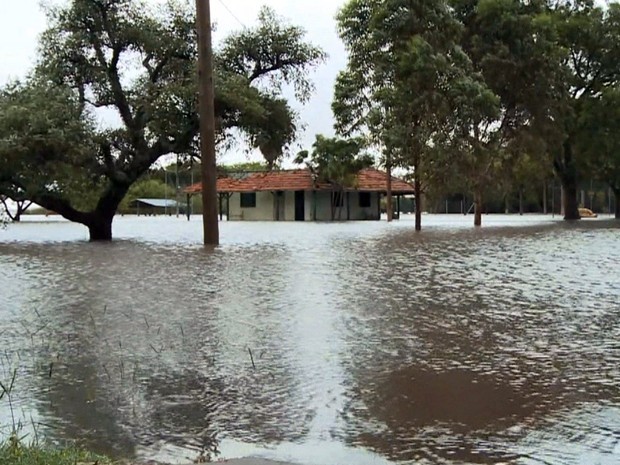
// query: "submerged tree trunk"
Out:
[100,226]
[617,198]
[417,190]
[567,172]
[569,199]
[99,221]
[477,207]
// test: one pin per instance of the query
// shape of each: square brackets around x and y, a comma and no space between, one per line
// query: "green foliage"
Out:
[599,139]
[15,453]
[148,189]
[410,86]
[336,161]
[243,167]
[140,62]
[272,45]
[271,55]
[46,143]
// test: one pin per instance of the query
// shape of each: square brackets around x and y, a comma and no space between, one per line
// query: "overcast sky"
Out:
[21,22]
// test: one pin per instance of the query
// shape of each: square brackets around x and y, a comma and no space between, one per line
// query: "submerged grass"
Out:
[16,454]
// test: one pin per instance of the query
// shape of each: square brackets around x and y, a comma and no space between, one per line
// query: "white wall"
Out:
[308,211]
[262,212]
[265,207]
[356,213]
[369,213]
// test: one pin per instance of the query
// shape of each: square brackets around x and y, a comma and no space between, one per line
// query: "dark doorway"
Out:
[300,206]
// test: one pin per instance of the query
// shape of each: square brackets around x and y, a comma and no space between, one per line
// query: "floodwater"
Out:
[326,344]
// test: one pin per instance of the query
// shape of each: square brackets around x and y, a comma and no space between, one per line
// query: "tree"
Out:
[46,145]
[599,140]
[403,58]
[243,167]
[337,162]
[21,206]
[120,54]
[256,55]
[590,37]
[516,52]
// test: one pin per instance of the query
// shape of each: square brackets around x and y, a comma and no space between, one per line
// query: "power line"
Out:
[231,13]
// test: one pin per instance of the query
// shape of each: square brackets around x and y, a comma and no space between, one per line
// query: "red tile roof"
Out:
[368,180]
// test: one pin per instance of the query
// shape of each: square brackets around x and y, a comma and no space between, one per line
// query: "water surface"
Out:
[344,343]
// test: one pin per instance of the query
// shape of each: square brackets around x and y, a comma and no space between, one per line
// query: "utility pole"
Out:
[207,123]
[176,185]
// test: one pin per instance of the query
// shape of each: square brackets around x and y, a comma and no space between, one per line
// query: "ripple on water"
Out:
[362,339]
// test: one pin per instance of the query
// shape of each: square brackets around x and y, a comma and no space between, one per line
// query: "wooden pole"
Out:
[207,123]
[348,206]
[388,195]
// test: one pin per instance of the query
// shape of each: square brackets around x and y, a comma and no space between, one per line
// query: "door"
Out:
[279,204]
[300,206]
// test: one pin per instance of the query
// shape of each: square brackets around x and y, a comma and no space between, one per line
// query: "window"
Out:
[337,199]
[248,200]
[365,201]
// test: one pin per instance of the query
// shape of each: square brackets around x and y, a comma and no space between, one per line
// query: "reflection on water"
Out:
[321,343]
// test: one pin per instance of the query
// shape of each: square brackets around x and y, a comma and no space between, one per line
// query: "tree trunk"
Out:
[417,189]
[388,196]
[100,226]
[569,199]
[521,201]
[98,221]
[617,198]
[478,208]
[566,168]
[545,202]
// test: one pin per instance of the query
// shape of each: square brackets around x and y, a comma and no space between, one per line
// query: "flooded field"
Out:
[326,344]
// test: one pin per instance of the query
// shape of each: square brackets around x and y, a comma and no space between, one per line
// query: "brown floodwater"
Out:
[326,344]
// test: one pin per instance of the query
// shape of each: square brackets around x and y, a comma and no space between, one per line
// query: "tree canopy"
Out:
[141,63]
[481,92]
[336,161]
[406,75]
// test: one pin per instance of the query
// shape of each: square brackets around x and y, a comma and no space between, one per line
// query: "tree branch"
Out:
[259,71]
[60,206]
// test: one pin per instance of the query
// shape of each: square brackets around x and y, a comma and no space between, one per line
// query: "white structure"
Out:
[294,195]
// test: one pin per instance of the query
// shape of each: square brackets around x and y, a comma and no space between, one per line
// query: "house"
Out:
[297,195]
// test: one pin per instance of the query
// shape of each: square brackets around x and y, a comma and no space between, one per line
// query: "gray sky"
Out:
[21,22]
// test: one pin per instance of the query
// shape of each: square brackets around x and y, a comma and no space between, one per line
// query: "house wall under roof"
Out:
[263,211]
[269,207]
[356,212]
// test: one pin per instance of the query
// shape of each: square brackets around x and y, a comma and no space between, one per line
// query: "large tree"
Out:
[599,138]
[404,59]
[590,37]
[141,63]
[515,51]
